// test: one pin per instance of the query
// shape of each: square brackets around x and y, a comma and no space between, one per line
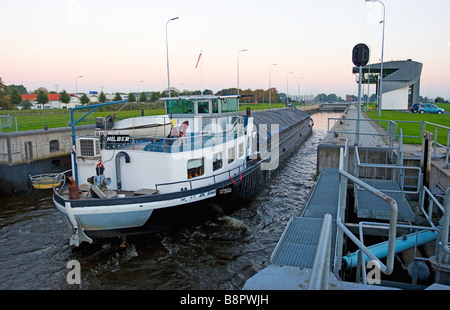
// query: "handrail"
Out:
[428,215]
[358,164]
[244,166]
[447,147]
[443,240]
[321,268]
[378,121]
[389,267]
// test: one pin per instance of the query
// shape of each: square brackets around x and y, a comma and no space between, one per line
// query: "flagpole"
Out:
[200,60]
[201,73]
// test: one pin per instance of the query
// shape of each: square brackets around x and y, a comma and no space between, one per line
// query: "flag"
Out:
[199,56]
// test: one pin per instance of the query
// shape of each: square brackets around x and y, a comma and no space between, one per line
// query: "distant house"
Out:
[53,102]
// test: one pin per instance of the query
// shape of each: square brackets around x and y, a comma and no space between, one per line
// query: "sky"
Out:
[115,45]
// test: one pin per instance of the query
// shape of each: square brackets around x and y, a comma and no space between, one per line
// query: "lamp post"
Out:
[270,97]
[167,54]
[138,97]
[380,95]
[301,78]
[238,71]
[76,83]
[287,88]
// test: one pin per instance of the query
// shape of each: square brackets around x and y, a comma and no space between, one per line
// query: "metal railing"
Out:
[393,132]
[321,269]
[232,175]
[436,143]
[391,171]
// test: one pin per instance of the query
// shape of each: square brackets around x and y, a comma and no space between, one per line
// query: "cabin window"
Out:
[231,155]
[215,106]
[229,105]
[195,168]
[217,161]
[203,107]
[54,146]
[241,150]
[180,106]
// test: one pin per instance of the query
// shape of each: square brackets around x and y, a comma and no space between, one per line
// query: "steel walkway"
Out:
[298,244]
[370,206]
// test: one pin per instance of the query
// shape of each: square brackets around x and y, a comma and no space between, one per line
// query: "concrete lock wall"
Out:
[34,152]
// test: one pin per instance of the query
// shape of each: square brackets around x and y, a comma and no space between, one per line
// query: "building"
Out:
[401,82]
[53,102]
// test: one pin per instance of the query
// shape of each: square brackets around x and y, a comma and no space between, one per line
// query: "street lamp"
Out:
[76,83]
[167,53]
[238,71]
[138,98]
[270,97]
[301,78]
[287,88]
[380,96]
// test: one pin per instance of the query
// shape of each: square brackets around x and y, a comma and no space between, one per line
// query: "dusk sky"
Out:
[116,44]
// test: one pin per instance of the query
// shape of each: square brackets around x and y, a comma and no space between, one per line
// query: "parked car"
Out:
[426,108]
[414,107]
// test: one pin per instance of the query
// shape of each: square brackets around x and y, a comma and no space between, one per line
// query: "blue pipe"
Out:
[401,244]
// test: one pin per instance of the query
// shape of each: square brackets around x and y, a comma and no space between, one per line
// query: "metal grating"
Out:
[325,196]
[297,247]
[370,206]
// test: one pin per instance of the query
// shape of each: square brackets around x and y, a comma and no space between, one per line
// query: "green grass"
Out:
[258,106]
[413,129]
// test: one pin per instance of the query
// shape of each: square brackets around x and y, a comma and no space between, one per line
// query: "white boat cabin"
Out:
[208,142]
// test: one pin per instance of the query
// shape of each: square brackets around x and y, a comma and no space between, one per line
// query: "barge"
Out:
[211,157]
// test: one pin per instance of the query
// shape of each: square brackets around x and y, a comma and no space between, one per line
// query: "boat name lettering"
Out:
[117,139]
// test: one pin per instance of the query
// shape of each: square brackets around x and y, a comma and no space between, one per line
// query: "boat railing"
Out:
[234,175]
[190,142]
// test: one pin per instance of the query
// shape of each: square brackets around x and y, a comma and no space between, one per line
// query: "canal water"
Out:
[219,254]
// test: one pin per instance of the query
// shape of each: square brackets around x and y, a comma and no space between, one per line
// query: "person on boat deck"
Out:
[180,131]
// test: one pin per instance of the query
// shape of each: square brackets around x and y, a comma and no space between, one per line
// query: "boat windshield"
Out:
[180,106]
[201,105]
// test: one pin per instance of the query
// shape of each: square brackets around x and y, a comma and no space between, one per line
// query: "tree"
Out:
[26,104]
[155,96]
[117,97]
[101,98]
[143,98]
[84,99]
[15,97]
[439,100]
[41,97]
[4,99]
[64,97]
[20,88]
[131,97]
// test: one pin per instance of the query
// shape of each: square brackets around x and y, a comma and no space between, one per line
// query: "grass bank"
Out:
[410,123]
